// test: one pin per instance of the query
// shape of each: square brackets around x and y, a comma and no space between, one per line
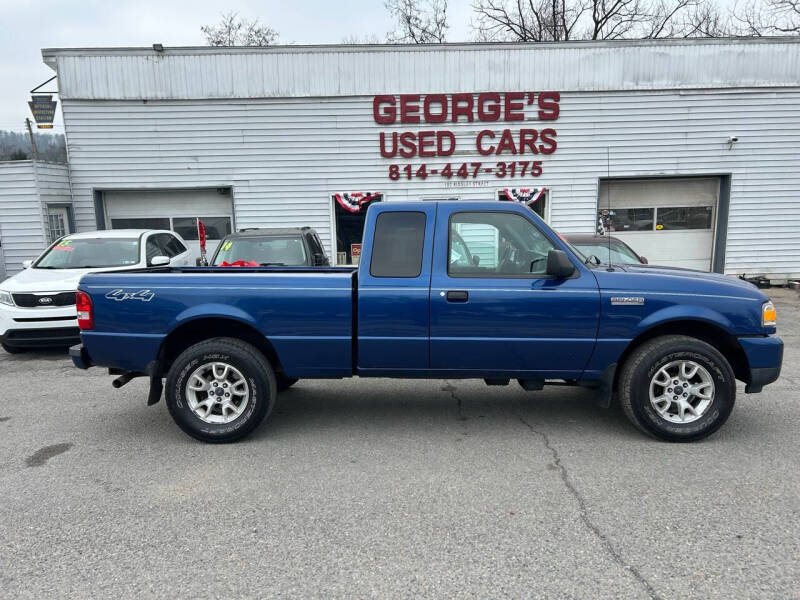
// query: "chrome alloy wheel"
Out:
[217,392]
[681,391]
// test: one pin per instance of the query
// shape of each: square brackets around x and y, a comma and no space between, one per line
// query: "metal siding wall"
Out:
[20,214]
[284,157]
[53,183]
[308,71]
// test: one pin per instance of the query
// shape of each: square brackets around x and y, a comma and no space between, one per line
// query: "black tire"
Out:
[12,349]
[644,363]
[254,368]
[284,382]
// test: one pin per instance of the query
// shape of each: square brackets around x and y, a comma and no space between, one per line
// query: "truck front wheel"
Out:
[220,390]
[677,388]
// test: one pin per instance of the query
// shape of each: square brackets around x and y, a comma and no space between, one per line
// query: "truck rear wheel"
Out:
[220,390]
[677,388]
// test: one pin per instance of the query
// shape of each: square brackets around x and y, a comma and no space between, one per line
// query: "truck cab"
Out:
[501,316]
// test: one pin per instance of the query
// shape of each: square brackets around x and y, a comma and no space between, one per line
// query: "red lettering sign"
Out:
[485,107]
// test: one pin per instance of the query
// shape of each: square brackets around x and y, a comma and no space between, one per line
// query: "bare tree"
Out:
[773,17]
[528,20]
[557,20]
[704,20]
[418,21]
[234,31]
[365,39]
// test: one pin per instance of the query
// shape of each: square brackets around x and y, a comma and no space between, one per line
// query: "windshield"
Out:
[91,253]
[620,253]
[276,250]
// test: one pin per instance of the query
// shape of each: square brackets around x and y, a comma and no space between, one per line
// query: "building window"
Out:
[349,213]
[141,223]
[57,222]
[685,217]
[216,227]
[536,198]
[625,219]
[56,227]
[661,218]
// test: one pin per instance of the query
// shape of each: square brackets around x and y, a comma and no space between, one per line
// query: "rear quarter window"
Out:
[398,244]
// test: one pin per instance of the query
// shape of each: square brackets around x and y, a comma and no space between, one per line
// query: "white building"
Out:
[694,144]
[35,208]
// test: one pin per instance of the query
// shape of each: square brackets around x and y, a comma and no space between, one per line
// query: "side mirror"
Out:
[26,264]
[644,260]
[559,266]
[320,260]
[159,261]
[476,260]
[198,262]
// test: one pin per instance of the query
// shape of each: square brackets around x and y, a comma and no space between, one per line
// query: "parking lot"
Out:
[382,488]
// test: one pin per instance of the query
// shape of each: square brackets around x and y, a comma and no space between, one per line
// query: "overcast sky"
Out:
[27,26]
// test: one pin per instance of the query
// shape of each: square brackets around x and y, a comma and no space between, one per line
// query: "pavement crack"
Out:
[584,513]
[449,387]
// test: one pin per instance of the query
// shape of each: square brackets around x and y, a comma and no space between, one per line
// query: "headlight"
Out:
[768,315]
[5,298]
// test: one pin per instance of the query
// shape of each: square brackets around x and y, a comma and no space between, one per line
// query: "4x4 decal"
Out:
[120,295]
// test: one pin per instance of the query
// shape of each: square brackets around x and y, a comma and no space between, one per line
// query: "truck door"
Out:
[394,278]
[494,311]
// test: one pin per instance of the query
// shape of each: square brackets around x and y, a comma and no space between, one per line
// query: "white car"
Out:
[37,305]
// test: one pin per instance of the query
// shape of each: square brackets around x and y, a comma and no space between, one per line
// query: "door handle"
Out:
[457,296]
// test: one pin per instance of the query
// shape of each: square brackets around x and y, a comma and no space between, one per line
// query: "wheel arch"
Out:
[705,331]
[194,331]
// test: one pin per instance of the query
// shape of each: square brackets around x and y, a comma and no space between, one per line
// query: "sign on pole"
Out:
[44,110]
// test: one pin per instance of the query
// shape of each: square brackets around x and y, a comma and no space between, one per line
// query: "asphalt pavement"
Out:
[393,489]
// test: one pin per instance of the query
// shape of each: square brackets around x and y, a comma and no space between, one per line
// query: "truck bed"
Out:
[309,316]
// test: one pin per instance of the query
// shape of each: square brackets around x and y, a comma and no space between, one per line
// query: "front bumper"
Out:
[41,337]
[764,357]
[38,327]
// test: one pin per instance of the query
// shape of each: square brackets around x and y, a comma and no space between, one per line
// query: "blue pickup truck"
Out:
[444,290]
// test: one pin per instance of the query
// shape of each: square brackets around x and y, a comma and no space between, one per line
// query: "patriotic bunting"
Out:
[353,201]
[527,196]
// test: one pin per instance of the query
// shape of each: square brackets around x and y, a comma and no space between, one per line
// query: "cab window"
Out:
[490,244]
[398,245]
[153,248]
[171,245]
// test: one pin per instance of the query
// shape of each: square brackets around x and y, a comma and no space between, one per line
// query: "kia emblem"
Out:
[45,300]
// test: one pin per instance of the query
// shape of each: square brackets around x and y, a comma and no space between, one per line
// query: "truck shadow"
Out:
[464,408]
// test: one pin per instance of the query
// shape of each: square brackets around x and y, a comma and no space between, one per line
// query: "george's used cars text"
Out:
[443,290]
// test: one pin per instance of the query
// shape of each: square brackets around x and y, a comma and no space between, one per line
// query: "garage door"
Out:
[178,210]
[668,221]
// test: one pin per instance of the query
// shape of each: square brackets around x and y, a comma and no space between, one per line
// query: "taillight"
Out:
[85,314]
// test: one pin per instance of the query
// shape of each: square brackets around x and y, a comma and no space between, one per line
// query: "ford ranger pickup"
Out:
[443,290]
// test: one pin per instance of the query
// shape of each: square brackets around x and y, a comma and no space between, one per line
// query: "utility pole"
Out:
[34,151]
